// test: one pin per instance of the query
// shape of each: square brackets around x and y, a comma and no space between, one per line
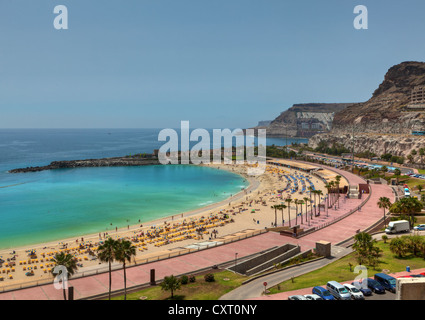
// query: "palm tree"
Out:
[408,206]
[289,200]
[125,251]
[281,207]
[306,207]
[332,185]
[275,207]
[301,202]
[363,246]
[296,211]
[320,194]
[170,283]
[384,203]
[69,262]
[311,189]
[107,253]
[338,180]
[314,192]
[328,188]
[398,246]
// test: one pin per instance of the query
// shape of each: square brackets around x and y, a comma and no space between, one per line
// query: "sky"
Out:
[216,63]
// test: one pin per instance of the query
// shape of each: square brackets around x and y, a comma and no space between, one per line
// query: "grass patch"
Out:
[225,281]
[340,270]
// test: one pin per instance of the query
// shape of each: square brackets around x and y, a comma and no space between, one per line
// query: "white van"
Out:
[338,290]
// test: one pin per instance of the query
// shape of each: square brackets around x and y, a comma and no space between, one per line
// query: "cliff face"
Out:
[384,123]
[305,120]
[386,111]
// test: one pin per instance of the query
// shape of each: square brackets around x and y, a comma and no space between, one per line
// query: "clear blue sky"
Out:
[216,63]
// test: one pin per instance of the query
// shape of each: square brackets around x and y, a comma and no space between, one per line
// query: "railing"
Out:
[78,275]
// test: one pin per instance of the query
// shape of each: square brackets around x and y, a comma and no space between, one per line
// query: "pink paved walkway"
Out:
[186,264]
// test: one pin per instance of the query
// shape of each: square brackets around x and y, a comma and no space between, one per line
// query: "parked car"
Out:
[297,297]
[355,293]
[420,227]
[388,282]
[375,286]
[313,297]
[363,289]
[338,290]
[323,293]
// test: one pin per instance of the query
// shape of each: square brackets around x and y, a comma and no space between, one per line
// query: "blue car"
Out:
[365,291]
[375,286]
[420,227]
[323,293]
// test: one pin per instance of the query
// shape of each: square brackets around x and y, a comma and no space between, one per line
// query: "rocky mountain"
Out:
[385,111]
[384,123]
[305,120]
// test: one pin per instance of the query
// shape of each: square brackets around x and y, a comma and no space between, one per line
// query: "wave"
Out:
[13,185]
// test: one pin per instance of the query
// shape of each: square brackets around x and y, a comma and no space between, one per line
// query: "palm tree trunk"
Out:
[110,279]
[125,282]
[289,214]
[64,294]
[283,221]
[296,214]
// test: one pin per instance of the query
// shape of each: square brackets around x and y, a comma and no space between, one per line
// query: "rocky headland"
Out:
[384,123]
[105,162]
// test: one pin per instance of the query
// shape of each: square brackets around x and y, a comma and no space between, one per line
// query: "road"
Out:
[255,288]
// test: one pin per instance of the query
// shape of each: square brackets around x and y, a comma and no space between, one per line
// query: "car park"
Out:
[338,290]
[297,297]
[323,293]
[355,293]
[313,297]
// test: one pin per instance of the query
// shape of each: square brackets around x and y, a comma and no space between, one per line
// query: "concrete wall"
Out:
[410,289]
[266,259]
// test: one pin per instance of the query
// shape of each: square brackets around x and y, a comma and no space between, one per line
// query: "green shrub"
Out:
[209,277]
[192,278]
[184,279]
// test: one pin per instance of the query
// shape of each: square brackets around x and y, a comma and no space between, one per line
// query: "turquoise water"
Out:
[58,204]
[51,205]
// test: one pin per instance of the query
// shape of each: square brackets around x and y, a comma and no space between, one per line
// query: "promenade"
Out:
[189,263]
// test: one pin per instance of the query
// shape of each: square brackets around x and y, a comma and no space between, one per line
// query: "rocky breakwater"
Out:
[105,162]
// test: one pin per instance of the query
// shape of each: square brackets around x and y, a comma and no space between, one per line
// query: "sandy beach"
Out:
[250,209]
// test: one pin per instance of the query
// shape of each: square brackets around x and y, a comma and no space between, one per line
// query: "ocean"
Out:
[52,205]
